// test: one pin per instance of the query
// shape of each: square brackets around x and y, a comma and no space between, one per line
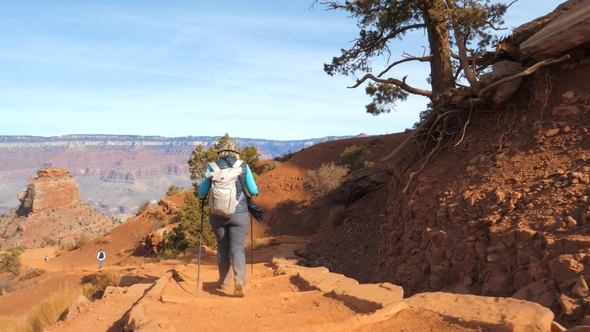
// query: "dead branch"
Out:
[401,84]
[523,73]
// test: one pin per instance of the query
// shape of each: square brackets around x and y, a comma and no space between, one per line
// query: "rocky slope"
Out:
[501,211]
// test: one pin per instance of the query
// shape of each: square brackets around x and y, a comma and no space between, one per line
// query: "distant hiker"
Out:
[101,256]
[46,259]
[230,230]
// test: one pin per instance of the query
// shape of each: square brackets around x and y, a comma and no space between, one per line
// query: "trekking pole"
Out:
[251,247]
[200,244]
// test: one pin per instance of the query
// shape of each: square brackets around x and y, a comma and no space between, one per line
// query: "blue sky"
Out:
[176,68]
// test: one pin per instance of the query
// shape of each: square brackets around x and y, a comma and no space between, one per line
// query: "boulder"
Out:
[487,313]
[567,31]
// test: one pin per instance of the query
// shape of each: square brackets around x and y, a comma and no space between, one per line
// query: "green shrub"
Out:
[325,179]
[10,260]
[285,156]
[186,234]
[173,190]
[32,272]
[354,158]
[47,241]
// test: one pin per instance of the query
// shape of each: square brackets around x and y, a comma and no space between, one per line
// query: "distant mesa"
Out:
[52,189]
[51,209]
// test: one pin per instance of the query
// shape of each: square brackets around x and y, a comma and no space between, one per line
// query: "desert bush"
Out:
[10,260]
[158,223]
[173,190]
[106,277]
[138,236]
[373,140]
[270,166]
[285,156]
[354,158]
[337,215]
[143,207]
[325,179]
[89,289]
[105,239]
[49,311]
[81,240]
[47,241]
[31,272]
[7,284]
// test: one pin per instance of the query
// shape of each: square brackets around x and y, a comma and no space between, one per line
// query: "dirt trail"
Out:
[273,302]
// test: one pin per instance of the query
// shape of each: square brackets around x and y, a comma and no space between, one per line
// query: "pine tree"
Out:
[464,24]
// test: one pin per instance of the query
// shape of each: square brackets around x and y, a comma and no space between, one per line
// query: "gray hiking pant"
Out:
[230,235]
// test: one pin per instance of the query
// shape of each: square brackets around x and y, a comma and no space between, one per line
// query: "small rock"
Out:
[552,132]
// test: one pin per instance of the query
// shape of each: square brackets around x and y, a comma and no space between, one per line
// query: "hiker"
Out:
[101,256]
[230,231]
[46,259]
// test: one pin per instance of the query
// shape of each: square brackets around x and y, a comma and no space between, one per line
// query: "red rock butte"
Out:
[53,188]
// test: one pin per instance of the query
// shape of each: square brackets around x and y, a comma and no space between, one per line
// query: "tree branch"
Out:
[402,84]
[469,74]
[406,59]
[523,73]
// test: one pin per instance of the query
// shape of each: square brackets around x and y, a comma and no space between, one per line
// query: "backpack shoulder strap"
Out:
[238,163]
[214,166]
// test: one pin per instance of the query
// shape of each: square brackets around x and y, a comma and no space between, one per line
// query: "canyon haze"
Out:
[115,173]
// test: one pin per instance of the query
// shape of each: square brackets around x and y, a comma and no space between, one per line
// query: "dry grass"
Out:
[105,239]
[31,272]
[261,242]
[14,324]
[107,277]
[49,311]
[325,179]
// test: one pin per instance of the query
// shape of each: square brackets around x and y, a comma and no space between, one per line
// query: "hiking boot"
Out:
[239,289]
[222,286]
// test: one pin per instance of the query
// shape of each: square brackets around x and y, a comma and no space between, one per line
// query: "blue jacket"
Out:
[247,178]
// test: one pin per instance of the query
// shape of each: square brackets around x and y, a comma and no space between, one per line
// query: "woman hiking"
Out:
[230,231]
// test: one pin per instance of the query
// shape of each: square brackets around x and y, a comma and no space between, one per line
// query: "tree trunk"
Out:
[441,71]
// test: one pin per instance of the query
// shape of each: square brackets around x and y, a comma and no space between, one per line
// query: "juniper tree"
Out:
[456,32]
[200,158]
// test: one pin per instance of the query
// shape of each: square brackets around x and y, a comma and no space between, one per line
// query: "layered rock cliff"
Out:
[114,173]
[51,212]
[53,188]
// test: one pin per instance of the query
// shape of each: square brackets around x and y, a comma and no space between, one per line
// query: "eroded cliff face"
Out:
[51,212]
[53,188]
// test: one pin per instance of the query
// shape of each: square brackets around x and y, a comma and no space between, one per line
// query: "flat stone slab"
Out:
[566,32]
[493,313]
[369,297]
[320,278]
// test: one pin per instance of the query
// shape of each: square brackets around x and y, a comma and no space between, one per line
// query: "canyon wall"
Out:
[115,173]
